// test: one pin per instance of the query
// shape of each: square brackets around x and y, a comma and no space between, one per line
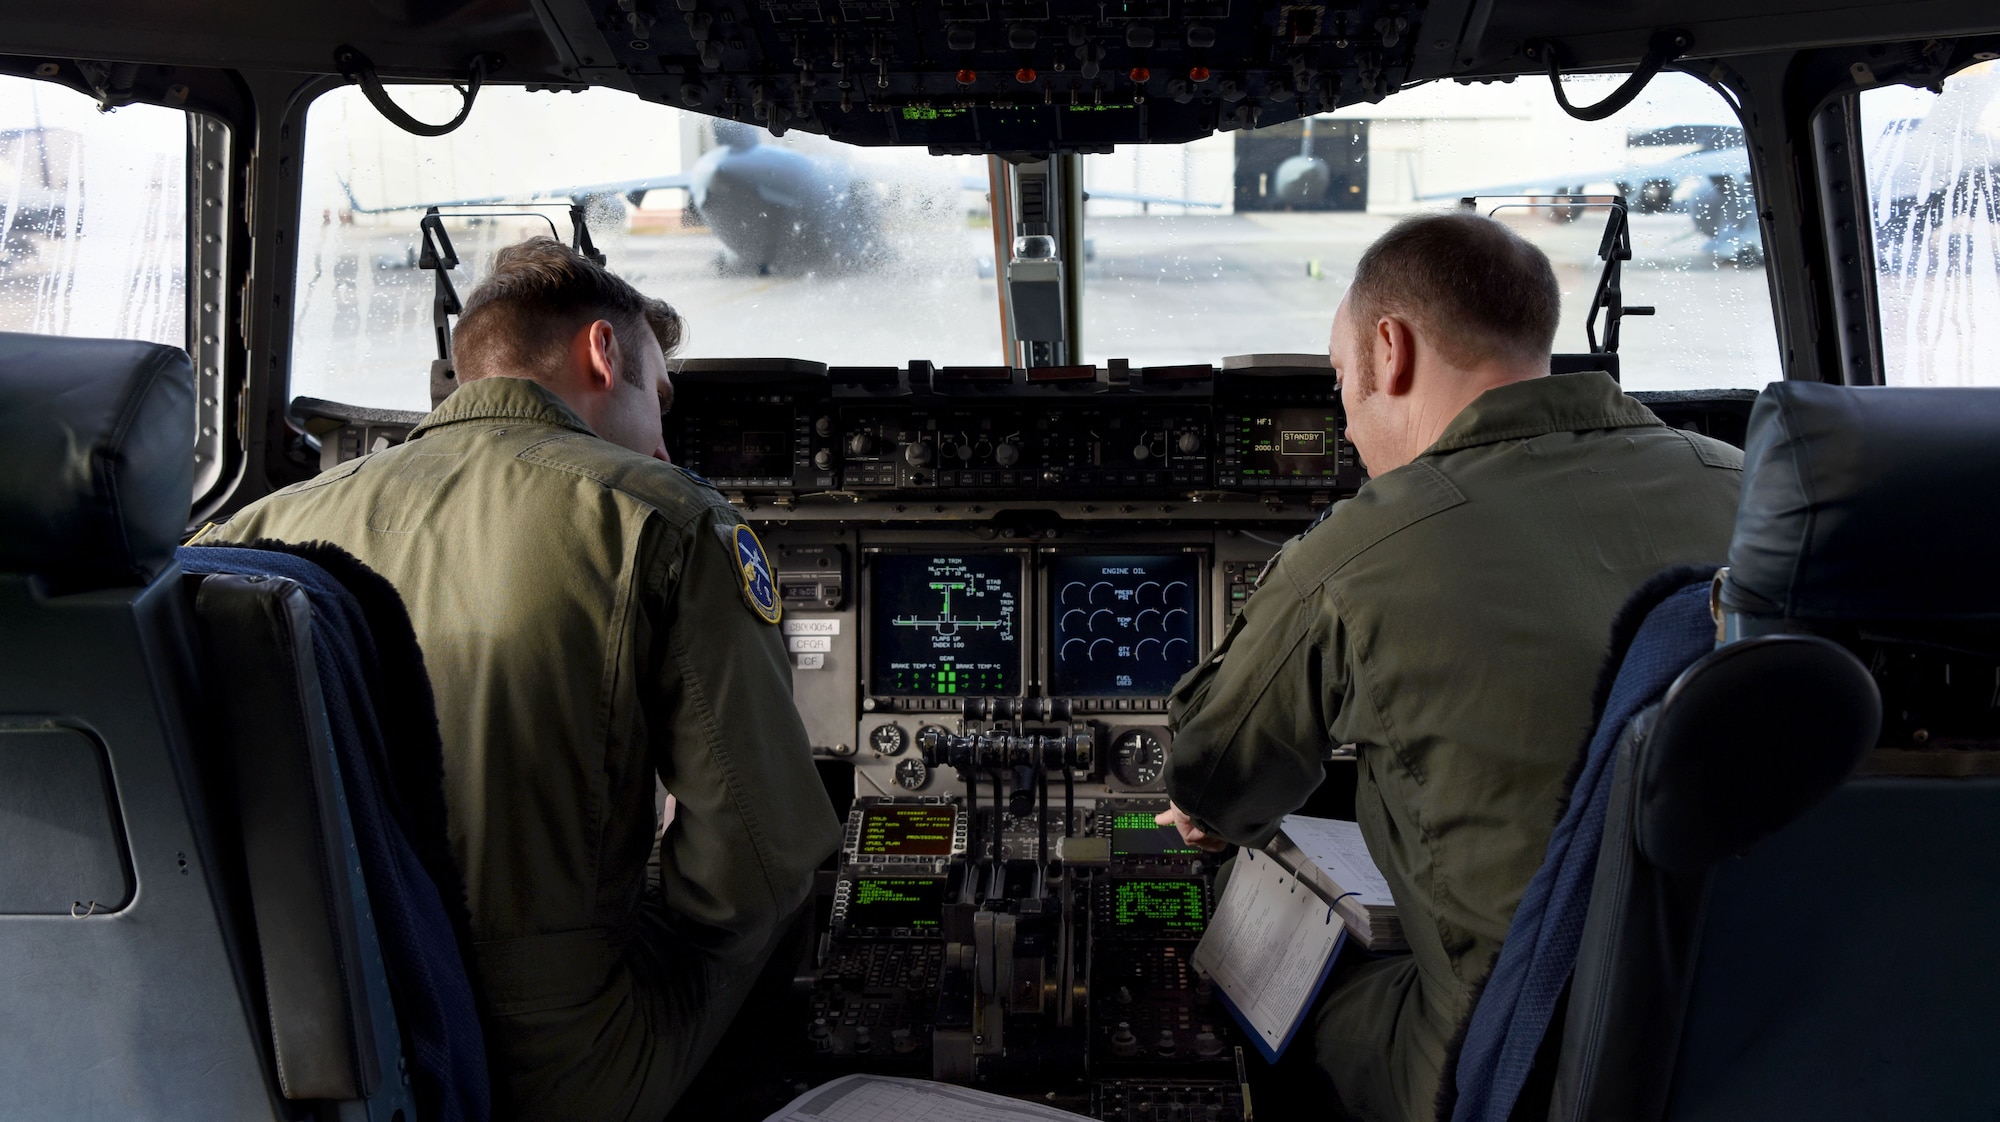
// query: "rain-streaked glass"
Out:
[1933,165]
[811,249]
[1244,242]
[93,216]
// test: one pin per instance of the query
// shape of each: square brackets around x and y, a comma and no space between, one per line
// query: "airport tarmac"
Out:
[1159,289]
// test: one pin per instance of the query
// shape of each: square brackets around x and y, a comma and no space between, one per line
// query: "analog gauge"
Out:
[1138,758]
[889,739]
[912,774]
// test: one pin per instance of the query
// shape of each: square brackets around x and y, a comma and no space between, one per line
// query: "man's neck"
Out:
[1457,390]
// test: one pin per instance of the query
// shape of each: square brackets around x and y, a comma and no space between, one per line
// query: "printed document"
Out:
[880,1098]
[1268,949]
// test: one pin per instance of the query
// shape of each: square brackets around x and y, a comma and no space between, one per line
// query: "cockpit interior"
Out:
[1007,332]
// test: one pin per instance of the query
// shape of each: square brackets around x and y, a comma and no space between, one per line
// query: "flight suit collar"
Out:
[1558,403]
[502,399]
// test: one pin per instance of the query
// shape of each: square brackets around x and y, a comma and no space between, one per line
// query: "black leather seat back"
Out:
[136,970]
[1799,877]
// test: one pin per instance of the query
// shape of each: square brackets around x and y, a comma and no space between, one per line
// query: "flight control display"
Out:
[1135,834]
[907,831]
[1124,625]
[1295,445]
[1153,907]
[945,625]
[913,904]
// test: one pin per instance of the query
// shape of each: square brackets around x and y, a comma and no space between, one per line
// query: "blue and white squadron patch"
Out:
[760,588]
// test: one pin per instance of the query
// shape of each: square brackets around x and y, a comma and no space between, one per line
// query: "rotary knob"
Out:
[1141,453]
[1007,454]
[823,460]
[917,455]
[1189,443]
[860,444]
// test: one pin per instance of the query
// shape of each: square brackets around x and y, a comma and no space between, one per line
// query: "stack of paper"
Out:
[1269,948]
[1329,855]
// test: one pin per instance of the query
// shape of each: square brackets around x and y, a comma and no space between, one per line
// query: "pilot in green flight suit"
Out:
[1449,621]
[590,617]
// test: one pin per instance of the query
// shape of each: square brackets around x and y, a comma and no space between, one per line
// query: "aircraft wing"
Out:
[1722,161]
[1090,193]
[624,187]
[980,183]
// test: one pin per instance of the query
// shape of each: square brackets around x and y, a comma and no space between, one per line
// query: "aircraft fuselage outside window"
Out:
[1239,243]
[1262,270]
[796,246]
[1933,165]
[93,216]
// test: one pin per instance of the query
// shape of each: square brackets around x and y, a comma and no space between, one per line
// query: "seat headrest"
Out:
[1869,503]
[1746,740]
[98,472]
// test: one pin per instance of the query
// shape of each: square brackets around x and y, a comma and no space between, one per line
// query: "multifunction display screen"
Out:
[1124,626]
[1156,908]
[1296,443]
[1135,834]
[915,904]
[757,446]
[907,831]
[945,624]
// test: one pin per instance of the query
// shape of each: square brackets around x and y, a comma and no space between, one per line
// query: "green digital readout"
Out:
[1173,907]
[913,903]
[908,831]
[1290,444]
[1134,834]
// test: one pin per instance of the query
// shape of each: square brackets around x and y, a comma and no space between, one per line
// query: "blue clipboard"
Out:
[1269,1052]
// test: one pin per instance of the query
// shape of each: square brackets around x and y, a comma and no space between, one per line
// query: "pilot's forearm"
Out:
[1251,725]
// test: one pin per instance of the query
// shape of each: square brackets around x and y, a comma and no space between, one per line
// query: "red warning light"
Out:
[1025,75]
[1198,74]
[967,77]
[1140,75]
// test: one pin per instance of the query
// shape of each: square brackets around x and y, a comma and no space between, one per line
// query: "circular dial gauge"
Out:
[1138,758]
[889,739]
[912,774]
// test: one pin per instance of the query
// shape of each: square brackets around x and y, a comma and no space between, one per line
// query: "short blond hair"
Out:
[519,320]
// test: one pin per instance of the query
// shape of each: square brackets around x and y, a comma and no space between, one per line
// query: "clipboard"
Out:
[1269,949]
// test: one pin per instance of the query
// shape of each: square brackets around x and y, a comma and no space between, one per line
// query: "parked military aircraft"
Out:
[775,209]
[1711,185]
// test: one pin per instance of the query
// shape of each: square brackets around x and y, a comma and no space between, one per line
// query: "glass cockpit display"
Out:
[908,831]
[1124,625]
[945,625]
[1289,444]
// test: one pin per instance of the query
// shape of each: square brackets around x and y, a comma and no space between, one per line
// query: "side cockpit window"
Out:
[1933,163]
[93,216]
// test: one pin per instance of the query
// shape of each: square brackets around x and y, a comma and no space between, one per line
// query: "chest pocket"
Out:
[405,497]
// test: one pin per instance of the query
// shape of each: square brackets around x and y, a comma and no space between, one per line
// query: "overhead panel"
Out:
[997,75]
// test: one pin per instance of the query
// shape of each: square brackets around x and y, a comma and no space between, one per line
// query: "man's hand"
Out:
[1190,833]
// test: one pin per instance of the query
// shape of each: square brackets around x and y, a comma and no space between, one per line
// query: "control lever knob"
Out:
[917,455]
[863,1041]
[823,459]
[901,1042]
[823,426]
[1189,443]
[1166,1043]
[1007,454]
[860,444]
[1123,1042]
[1207,1044]
[820,1035]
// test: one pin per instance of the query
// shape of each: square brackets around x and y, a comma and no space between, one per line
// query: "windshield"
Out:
[1243,242]
[93,216]
[1934,187]
[770,247]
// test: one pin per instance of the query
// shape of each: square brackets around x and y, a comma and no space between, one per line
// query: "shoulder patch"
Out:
[760,588]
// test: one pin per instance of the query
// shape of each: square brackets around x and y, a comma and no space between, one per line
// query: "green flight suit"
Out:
[1449,621]
[586,623]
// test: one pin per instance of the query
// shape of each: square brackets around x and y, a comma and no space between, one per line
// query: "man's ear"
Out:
[602,358]
[1395,356]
